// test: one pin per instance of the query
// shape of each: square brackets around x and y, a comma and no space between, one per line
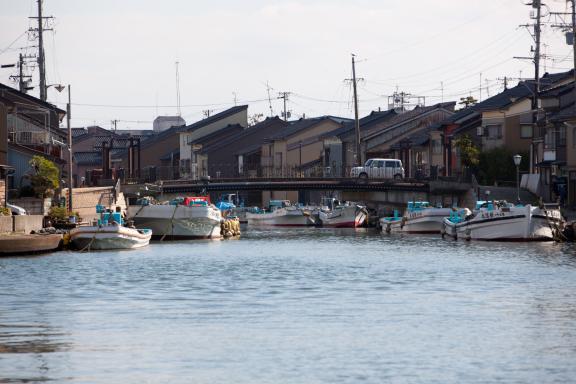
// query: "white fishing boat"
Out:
[109,233]
[181,219]
[502,221]
[419,217]
[281,213]
[337,215]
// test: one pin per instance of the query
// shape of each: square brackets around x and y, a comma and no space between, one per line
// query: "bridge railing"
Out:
[255,172]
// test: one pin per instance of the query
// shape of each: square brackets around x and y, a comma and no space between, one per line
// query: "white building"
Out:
[162,123]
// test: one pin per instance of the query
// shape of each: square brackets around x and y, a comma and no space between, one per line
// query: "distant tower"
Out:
[162,123]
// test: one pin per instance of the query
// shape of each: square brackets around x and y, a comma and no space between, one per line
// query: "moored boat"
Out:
[281,213]
[28,244]
[180,219]
[109,233]
[502,221]
[347,215]
[419,217]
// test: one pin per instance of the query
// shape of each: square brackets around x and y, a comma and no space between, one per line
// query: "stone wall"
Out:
[6,224]
[84,201]
[33,205]
[27,223]
[2,191]
[21,223]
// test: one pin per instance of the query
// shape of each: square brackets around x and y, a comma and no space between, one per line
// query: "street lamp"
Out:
[517,161]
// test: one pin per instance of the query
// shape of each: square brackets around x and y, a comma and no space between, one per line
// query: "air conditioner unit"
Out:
[480,131]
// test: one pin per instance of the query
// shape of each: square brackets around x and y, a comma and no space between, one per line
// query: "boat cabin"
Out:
[276,204]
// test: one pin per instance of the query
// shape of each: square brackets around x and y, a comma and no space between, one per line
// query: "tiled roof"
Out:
[367,122]
[263,125]
[88,158]
[163,135]
[416,140]
[216,117]
[223,133]
[412,114]
[303,124]
[522,90]
[76,132]
[250,149]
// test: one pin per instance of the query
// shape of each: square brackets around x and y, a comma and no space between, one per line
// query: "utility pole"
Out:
[571,29]
[68,117]
[22,82]
[41,58]
[115,124]
[284,96]
[356,119]
[538,136]
[537,29]
[574,46]
[21,74]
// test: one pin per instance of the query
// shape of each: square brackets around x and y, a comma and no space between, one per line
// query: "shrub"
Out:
[46,177]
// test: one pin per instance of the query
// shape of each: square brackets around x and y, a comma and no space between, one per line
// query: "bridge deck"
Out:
[309,184]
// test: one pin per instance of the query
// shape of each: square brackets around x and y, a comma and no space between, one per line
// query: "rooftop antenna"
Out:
[179,111]
[269,99]
[235,98]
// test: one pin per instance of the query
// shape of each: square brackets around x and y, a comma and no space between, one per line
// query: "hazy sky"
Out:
[119,56]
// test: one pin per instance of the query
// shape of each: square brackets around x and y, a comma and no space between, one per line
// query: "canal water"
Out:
[293,306]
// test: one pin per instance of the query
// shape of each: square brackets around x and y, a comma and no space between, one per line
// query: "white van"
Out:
[380,169]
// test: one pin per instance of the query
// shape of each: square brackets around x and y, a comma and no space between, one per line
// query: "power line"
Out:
[12,43]
[162,106]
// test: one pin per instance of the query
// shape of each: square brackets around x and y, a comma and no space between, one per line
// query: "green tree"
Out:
[498,165]
[46,176]
[467,101]
[469,154]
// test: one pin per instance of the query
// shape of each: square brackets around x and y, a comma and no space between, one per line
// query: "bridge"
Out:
[377,192]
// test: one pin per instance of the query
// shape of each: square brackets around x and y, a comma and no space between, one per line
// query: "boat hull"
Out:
[177,222]
[109,237]
[426,221]
[343,217]
[516,224]
[27,244]
[280,218]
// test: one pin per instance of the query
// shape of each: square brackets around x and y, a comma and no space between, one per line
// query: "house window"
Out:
[493,131]
[436,146]
[526,131]
[26,138]
[278,160]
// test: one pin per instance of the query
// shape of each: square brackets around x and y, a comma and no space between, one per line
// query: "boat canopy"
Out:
[225,205]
